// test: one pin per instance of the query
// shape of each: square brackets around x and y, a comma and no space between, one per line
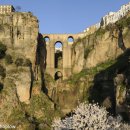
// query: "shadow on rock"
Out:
[41,60]
[104,90]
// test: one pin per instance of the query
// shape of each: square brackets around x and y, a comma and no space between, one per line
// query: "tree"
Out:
[19,62]
[90,116]
[8,59]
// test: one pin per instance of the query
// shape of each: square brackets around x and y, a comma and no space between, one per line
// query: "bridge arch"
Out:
[58,75]
[47,38]
[58,55]
[70,39]
[59,44]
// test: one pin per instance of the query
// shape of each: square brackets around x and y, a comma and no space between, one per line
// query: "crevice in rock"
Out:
[41,55]
[121,43]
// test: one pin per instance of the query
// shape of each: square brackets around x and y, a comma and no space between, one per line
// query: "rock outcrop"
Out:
[97,60]
[101,46]
[22,50]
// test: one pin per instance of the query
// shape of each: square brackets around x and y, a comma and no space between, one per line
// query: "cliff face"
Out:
[98,48]
[19,32]
[22,101]
[104,57]
[99,60]
[104,44]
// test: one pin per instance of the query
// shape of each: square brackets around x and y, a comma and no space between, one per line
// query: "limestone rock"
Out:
[94,49]
[23,85]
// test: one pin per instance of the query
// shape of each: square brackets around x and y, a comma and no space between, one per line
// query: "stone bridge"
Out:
[52,39]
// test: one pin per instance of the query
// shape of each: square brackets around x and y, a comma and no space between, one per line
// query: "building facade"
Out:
[92,29]
[6,9]
[112,17]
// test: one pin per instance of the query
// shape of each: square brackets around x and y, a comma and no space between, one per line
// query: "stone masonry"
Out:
[67,65]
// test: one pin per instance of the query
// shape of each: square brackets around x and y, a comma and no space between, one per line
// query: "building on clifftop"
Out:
[112,17]
[6,9]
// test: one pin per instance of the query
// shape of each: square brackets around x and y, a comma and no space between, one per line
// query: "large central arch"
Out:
[58,55]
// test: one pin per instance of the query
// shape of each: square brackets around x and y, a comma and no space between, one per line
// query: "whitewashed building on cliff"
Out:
[6,9]
[112,17]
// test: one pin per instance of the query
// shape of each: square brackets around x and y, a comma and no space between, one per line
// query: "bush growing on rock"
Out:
[2,71]
[22,62]
[27,62]
[19,62]
[2,50]
[8,59]
[90,117]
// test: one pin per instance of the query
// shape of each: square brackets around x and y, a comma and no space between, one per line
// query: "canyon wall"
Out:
[22,61]
[97,48]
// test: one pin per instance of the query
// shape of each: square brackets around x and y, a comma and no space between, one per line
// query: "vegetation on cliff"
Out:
[90,116]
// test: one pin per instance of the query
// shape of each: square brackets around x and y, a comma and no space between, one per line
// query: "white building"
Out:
[92,28]
[6,9]
[112,17]
[58,49]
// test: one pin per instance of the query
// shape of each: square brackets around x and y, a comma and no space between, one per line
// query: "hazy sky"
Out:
[67,16]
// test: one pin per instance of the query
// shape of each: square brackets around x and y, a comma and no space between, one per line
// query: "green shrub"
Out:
[100,31]
[2,50]
[124,22]
[8,59]
[128,21]
[27,62]
[19,62]
[121,23]
[86,52]
[2,71]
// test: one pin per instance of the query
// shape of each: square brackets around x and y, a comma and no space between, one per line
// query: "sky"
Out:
[67,16]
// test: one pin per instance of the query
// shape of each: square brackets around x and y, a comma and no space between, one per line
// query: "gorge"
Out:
[95,68]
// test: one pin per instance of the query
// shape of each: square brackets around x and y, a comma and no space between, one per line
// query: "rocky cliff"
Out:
[98,47]
[105,55]
[22,52]
[30,100]
[98,61]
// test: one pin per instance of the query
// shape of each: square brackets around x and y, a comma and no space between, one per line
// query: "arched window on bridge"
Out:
[58,75]
[47,39]
[70,39]
[58,55]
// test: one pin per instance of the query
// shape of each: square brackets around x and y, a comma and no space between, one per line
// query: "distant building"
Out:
[58,49]
[6,9]
[112,17]
[92,28]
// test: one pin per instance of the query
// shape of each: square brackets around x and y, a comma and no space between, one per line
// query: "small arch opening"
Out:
[70,39]
[47,39]
[58,55]
[58,76]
